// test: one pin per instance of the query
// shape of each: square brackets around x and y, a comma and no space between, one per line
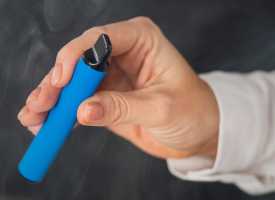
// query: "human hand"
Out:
[149,96]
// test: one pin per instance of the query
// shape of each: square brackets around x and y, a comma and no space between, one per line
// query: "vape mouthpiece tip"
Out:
[97,56]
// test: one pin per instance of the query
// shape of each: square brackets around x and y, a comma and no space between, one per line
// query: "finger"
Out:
[123,35]
[29,118]
[107,108]
[34,129]
[44,97]
[76,124]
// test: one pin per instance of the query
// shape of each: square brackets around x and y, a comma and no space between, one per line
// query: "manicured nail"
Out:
[57,73]
[34,95]
[93,112]
[23,111]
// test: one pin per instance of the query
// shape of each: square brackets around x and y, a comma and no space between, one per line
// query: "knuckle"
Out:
[119,108]
[96,30]
[87,32]
[148,29]
[68,49]
[144,20]
[146,23]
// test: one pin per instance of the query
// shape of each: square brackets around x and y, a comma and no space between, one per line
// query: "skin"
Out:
[150,95]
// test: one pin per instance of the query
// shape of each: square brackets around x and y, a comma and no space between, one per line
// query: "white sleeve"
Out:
[246,146]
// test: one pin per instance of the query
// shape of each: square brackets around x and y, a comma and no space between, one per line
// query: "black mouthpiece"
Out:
[97,56]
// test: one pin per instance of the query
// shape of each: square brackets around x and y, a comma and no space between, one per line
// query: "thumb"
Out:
[107,108]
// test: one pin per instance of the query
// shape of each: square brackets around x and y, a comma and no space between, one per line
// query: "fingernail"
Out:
[57,73]
[23,111]
[34,95]
[93,112]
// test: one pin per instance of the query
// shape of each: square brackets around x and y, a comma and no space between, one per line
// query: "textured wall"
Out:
[94,163]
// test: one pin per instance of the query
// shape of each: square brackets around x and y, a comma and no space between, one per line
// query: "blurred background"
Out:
[94,163]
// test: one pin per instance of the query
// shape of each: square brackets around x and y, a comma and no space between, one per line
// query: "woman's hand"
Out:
[149,96]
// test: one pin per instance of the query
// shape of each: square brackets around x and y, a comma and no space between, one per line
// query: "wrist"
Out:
[211,120]
[210,148]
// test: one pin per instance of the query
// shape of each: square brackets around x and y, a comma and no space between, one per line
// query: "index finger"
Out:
[123,35]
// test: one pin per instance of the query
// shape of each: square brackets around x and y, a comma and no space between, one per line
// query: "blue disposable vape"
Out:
[88,73]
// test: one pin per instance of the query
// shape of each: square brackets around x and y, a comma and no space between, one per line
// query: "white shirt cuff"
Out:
[243,118]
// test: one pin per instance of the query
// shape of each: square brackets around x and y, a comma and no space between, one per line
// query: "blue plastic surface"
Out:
[59,122]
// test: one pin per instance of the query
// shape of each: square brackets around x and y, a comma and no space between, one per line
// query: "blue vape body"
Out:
[63,116]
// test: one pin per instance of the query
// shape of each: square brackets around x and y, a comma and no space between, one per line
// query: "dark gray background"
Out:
[94,163]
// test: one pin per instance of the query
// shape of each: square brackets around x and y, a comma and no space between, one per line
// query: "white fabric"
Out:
[246,146]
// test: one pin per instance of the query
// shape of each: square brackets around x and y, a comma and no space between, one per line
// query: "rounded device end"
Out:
[28,179]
